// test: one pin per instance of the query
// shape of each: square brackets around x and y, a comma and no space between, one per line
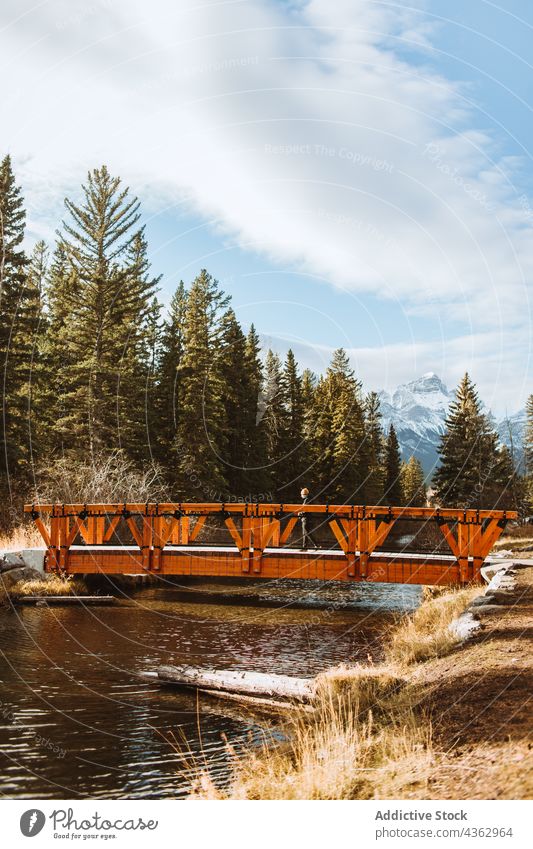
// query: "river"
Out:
[78,721]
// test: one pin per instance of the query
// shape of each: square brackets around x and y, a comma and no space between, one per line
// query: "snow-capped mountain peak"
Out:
[418,410]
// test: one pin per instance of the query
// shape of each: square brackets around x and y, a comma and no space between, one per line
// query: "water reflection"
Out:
[77,720]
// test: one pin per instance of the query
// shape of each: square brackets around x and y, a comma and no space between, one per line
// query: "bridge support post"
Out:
[158,542]
[463,549]
[353,526]
[246,542]
[63,543]
[53,551]
[147,539]
[363,546]
[257,530]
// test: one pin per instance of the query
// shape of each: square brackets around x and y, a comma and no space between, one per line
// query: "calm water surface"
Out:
[77,720]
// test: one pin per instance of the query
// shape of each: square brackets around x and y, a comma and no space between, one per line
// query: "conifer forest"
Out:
[183,403]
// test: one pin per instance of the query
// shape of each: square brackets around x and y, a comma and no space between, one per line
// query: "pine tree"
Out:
[338,446]
[12,294]
[236,390]
[257,477]
[375,481]
[200,434]
[321,441]
[393,463]
[473,471]
[273,417]
[168,391]
[294,446]
[108,294]
[30,373]
[139,421]
[136,419]
[59,289]
[413,483]
[309,384]
[350,447]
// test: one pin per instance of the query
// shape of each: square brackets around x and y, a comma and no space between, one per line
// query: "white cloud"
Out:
[298,128]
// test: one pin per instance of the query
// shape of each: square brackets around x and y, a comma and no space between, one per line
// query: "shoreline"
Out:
[455,726]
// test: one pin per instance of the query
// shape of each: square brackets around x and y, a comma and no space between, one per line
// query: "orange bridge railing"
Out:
[164,538]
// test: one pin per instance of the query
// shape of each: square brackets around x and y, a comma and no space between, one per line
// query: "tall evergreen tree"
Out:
[136,418]
[338,447]
[108,293]
[473,471]
[138,415]
[13,264]
[294,447]
[257,476]
[273,417]
[393,494]
[321,440]
[374,434]
[350,448]
[200,434]
[59,289]
[413,483]
[30,372]
[234,376]
[171,354]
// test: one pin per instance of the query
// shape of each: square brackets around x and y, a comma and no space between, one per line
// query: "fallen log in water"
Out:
[236,705]
[258,685]
[42,600]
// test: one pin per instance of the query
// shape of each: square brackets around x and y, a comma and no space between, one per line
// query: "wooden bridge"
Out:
[165,539]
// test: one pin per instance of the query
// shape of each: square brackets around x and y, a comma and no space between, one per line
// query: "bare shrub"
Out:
[21,537]
[106,479]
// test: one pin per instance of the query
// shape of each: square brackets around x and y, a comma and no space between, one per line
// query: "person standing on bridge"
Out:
[307,536]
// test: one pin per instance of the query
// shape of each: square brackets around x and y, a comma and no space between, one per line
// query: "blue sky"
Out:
[355,174]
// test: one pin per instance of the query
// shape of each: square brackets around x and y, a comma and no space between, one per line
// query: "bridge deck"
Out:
[161,537]
[222,561]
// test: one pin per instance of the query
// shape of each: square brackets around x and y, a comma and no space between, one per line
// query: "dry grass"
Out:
[24,536]
[344,751]
[54,585]
[426,633]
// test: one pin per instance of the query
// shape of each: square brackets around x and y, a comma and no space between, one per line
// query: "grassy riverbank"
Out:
[50,585]
[438,719]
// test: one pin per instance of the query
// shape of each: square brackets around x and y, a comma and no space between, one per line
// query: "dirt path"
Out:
[480,699]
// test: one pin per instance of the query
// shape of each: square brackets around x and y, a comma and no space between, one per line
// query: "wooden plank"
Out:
[235,535]
[363,547]
[269,529]
[462,546]
[43,530]
[198,525]
[287,530]
[136,534]
[351,546]
[450,539]
[246,543]
[341,539]
[111,528]
[147,541]
[380,535]
[257,555]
